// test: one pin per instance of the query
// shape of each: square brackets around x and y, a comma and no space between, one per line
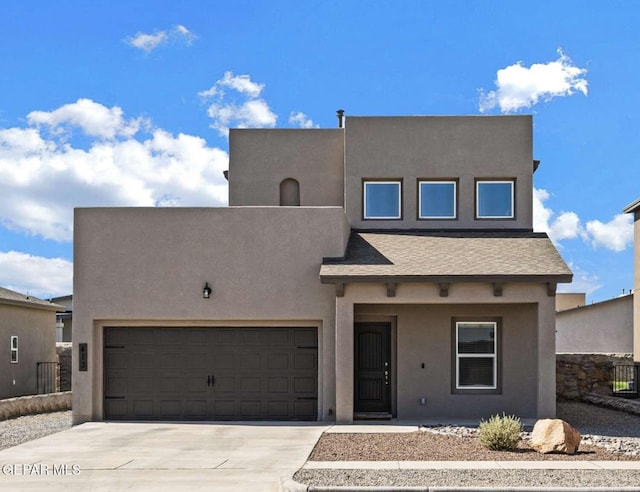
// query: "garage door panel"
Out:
[143,360]
[278,385]
[278,361]
[250,361]
[140,385]
[305,360]
[224,409]
[223,361]
[227,373]
[304,409]
[251,336]
[196,409]
[143,409]
[304,385]
[250,384]
[277,337]
[306,337]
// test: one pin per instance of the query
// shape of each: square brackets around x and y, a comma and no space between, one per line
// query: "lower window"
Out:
[14,350]
[476,355]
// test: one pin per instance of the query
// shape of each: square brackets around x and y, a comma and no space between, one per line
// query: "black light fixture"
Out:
[206,292]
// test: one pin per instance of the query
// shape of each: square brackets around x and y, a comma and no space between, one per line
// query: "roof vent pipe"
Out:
[340,114]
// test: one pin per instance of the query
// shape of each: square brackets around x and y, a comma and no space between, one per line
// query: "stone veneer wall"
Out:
[64,359]
[27,405]
[580,374]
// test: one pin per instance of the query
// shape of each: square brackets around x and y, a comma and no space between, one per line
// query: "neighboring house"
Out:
[386,268]
[27,337]
[64,318]
[570,300]
[634,208]
[601,327]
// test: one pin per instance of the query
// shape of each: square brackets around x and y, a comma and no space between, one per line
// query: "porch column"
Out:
[344,360]
[546,357]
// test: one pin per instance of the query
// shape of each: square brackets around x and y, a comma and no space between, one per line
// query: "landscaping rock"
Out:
[554,436]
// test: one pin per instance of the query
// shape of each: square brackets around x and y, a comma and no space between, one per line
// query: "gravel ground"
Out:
[23,429]
[607,435]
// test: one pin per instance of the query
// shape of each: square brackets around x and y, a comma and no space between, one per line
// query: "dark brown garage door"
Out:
[211,373]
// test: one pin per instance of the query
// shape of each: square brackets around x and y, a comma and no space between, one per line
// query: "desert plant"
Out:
[500,433]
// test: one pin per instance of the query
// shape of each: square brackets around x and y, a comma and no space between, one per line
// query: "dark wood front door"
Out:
[372,364]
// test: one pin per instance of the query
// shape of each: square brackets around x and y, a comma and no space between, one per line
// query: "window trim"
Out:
[496,389]
[456,189]
[396,181]
[13,345]
[512,182]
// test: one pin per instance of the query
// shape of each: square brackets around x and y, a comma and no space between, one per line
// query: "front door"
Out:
[372,368]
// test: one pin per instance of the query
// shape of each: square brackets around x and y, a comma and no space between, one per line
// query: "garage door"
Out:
[257,373]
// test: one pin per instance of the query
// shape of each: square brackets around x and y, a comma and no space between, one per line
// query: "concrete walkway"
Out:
[101,456]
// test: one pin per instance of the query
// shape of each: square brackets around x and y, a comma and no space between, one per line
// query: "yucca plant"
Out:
[500,433]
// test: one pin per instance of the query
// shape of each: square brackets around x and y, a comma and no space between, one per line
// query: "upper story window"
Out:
[437,199]
[495,199]
[382,199]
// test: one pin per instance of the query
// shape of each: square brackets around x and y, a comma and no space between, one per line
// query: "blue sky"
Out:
[107,103]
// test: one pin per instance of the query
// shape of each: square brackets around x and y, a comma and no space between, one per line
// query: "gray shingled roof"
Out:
[442,255]
[12,297]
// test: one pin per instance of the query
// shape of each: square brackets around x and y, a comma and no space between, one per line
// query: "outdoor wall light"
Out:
[206,291]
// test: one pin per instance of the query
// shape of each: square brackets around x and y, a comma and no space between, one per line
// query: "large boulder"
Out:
[554,436]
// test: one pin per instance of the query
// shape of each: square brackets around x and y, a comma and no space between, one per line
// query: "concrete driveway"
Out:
[98,456]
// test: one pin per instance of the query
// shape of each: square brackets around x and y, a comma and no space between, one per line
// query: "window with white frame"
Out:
[495,199]
[382,199]
[476,355]
[14,350]
[437,199]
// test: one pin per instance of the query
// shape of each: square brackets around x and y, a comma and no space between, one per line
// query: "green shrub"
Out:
[500,433]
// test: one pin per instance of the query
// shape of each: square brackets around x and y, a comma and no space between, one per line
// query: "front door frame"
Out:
[384,372]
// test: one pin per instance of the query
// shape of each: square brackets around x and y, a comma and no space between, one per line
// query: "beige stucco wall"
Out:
[604,327]
[36,331]
[140,266]
[423,334]
[260,159]
[464,147]
[569,300]
[636,287]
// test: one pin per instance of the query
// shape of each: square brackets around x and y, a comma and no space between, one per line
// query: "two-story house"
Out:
[385,268]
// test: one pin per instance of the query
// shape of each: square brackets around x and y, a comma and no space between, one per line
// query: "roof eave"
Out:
[632,207]
[32,305]
[564,278]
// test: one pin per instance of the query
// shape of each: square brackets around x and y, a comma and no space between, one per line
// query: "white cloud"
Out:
[237,102]
[520,87]
[583,281]
[35,275]
[615,235]
[45,177]
[149,42]
[301,120]
[564,226]
[94,119]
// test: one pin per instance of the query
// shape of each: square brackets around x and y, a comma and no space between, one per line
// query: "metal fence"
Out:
[625,381]
[47,377]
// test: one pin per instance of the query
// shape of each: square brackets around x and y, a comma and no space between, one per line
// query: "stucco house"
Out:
[601,327]
[634,208]
[27,337]
[386,268]
[64,318]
